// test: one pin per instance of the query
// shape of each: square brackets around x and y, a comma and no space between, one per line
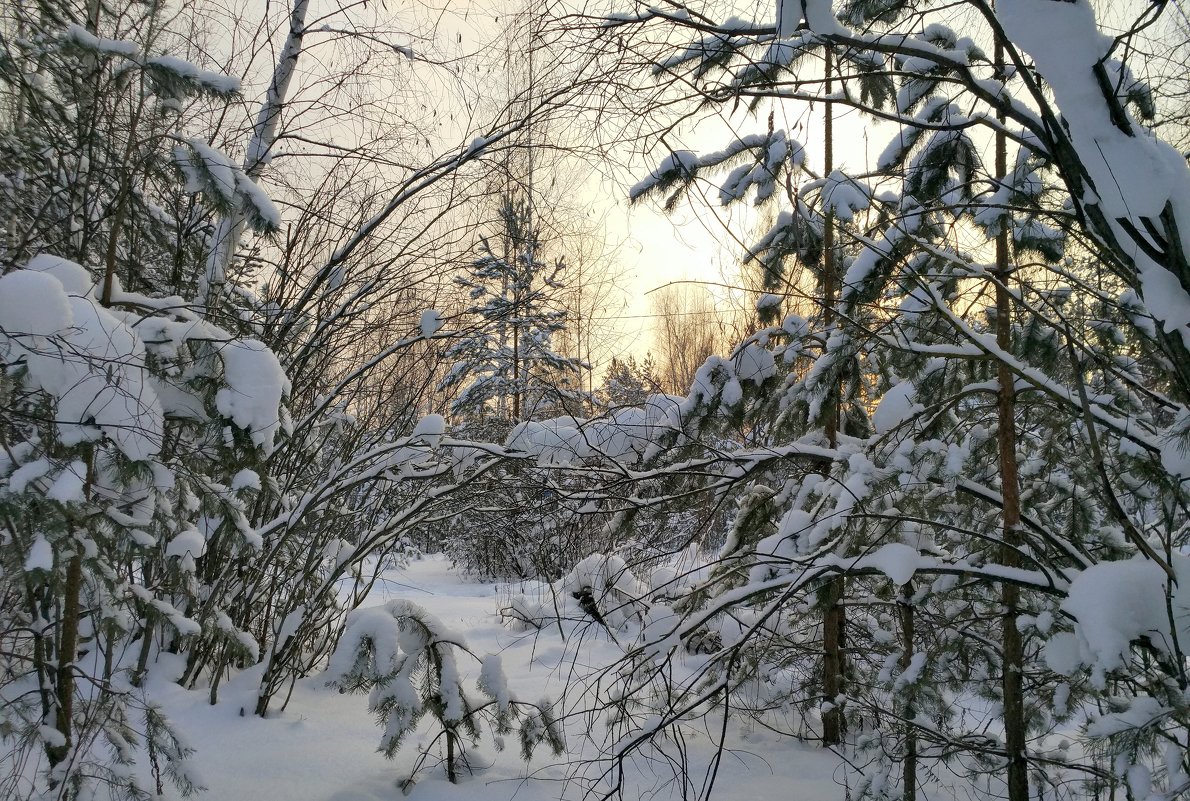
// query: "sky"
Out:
[701,241]
[649,248]
[652,249]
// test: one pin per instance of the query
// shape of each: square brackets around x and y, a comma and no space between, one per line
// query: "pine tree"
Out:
[409,662]
[629,383]
[824,391]
[506,366]
[127,415]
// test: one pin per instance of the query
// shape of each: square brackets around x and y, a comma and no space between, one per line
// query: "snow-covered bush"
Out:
[133,423]
[600,589]
[109,509]
[408,662]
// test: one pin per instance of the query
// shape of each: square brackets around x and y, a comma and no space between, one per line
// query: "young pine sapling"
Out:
[408,661]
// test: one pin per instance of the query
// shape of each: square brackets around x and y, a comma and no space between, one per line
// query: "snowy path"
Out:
[323,747]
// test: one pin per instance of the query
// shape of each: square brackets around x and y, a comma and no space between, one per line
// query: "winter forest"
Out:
[353,446]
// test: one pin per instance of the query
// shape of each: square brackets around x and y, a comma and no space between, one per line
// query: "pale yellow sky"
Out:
[691,243]
[652,248]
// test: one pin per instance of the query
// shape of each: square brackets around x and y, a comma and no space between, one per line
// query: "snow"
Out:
[820,17]
[260,202]
[217,165]
[215,81]
[88,360]
[494,682]
[208,169]
[1133,175]
[755,364]
[762,172]
[323,746]
[243,638]
[178,402]
[714,380]
[680,164]
[622,435]
[1142,709]
[868,259]
[789,17]
[26,474]
[844,196]
[107,386]
[84,38]
[895,407]
[818,14]
[768,301]
[1175,451]
[431,323]
[41,555]
[256,384]
[661,413]
[1140,781]
[913,671]
[51,736]
[896,560]
[245,479]
[69,485]
[430,429]
[1113,604]
[184,625]
[604,572]
[555,441]
[91,365]
[188,542]
[75,278]
[33,303]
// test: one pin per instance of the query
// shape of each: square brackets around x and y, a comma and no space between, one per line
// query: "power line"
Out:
[705,312]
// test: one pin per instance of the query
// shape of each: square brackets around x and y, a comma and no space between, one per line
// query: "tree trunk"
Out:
[834,619]
[451,774]
[230,228]
[67,646]
[909,766]
[833,665]
[1013,681]
[516,364]
[1012,687]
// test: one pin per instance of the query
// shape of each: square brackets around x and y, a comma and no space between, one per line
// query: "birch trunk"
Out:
[230,228]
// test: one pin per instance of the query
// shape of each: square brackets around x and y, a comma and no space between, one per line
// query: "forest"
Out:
[354,444]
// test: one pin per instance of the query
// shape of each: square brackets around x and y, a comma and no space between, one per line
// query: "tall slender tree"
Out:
[507,363]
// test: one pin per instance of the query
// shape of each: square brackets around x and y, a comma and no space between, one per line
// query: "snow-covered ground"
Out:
[323,746]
